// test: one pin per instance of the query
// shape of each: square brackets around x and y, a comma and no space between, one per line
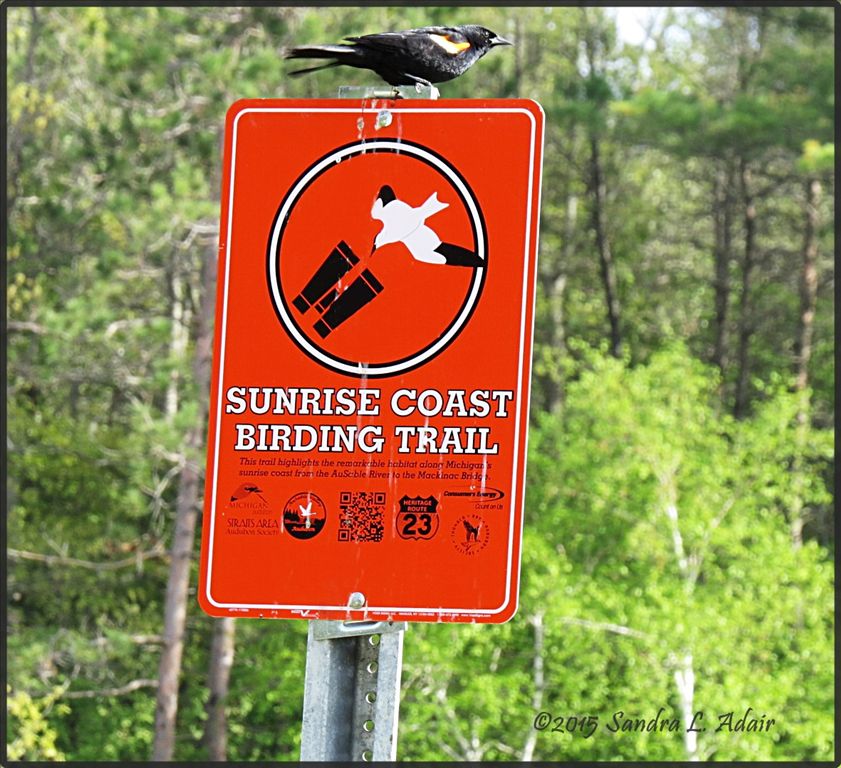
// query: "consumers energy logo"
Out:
[474,494]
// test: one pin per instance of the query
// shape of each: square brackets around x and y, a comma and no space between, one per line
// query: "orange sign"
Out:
[369,399]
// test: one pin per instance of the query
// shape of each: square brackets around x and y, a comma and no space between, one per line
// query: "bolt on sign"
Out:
[370,385]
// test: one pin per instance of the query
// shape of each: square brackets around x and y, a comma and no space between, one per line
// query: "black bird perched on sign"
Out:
[414,57]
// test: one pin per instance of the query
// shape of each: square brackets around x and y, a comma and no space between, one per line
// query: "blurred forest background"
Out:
[679,533]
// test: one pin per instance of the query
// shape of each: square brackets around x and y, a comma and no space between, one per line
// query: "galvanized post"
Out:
[352,682]
[352,691]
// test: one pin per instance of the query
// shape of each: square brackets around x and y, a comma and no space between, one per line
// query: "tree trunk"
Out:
[554,283]
[519,53]
[555,399]
[803,352]
[606,263]
[179,339]
[808,285]
[186,513]
[559,289]
[18,132]
[685,682]
[539,680]
[687,564]
[221,659]
[722,254]
[745,304]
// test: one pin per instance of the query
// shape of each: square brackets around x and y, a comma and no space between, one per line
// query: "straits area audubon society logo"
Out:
[248,513]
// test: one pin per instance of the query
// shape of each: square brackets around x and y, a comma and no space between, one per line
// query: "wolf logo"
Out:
[472,531]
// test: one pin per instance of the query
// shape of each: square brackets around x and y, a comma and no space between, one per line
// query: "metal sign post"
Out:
[352,691]
[352,679]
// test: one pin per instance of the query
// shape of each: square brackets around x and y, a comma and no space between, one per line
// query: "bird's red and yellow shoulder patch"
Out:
[449,45]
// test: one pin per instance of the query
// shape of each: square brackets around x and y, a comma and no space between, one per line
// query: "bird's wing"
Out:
[432,205]
[386,42]
[447,38]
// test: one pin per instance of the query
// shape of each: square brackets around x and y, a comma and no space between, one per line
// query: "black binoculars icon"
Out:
[333,302]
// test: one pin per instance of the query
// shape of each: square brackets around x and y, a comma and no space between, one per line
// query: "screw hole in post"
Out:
[368,726]
[372,667]
[370,697]
[374,639]
[367,756]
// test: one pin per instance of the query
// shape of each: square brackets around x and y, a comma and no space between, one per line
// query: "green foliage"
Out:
[609,488]
[31,737]
[817,157]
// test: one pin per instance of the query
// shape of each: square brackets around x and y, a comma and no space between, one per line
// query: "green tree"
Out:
[658,571]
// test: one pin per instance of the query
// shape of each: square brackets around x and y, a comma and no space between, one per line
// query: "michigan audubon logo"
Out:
[470,534]
[248,496]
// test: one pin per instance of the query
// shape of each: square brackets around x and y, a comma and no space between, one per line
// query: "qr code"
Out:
[361,516]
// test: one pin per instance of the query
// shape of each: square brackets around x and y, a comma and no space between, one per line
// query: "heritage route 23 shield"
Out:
[369,396]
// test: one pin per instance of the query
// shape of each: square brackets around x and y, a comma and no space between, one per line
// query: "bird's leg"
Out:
[420,84]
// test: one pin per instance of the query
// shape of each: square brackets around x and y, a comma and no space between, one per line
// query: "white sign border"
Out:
[234,607]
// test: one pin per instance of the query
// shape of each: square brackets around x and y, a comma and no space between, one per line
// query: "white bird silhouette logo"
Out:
[404,224]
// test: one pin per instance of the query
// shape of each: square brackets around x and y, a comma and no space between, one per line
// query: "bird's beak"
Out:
[500,41]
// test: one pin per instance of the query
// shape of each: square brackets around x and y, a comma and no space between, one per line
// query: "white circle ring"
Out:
[392,368]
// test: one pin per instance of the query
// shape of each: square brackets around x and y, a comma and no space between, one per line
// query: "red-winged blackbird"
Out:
[414,57]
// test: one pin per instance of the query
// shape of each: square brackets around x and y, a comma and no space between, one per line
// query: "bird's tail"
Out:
[296,72]
[341,54]
[457,256]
